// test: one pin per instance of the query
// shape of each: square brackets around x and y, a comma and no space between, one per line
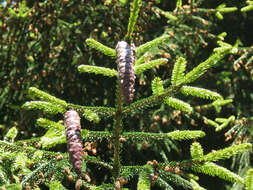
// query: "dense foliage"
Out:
[191,47]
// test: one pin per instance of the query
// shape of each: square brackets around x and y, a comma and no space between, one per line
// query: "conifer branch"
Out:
[100,47]
[3,176]
[157,86]
[247,8]
[179,4]
[91,116]
[223,46]
[223,9]
[200,92]
[249,180]
[167,14]
[20,162]
[101,111]
[185,135]
[97,161]
[53,137]
[97,135]
[129,172]
[13,186]
[175,135]
[28,150]
[116,132]
[163,184]
[215,104]
[142,59]
[145,66]
[56,185]
[211,122]
[220,120]
[55,133]
[36,93]
[100,187]
[156,42]
[140,137]
[150,101]
[221,102]
[144,178]
[178,72]
[196,186]
[11,134]
[57,136]
[28,142]
[219,15]
[175,179]
[34,175]
[184,165]
[225,124]
[135,9]
[98,70]
[204,66]
[47,107]
[46,123]
[178,104]
[213,169]
[116,160]
[196,150]
[37,155]
[225,153]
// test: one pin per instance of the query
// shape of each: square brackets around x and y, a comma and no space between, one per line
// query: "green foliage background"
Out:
[43,42]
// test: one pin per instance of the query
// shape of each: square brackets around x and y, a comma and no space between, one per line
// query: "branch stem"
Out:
[116,134]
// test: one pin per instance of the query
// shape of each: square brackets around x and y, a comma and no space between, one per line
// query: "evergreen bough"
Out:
[29,164]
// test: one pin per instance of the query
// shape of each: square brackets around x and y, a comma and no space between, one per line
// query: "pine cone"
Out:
[74,139]
[125,61]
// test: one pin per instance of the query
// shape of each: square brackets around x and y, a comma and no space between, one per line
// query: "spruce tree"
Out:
[36,163]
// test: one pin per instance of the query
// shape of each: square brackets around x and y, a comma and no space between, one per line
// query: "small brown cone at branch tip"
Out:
[86,177]
[60,157]
[67,171]
[70,178]
[122,181]
[78,184]
[117,185]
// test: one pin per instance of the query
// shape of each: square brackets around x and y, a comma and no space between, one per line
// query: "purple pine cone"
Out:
[74,139]
[125,62]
